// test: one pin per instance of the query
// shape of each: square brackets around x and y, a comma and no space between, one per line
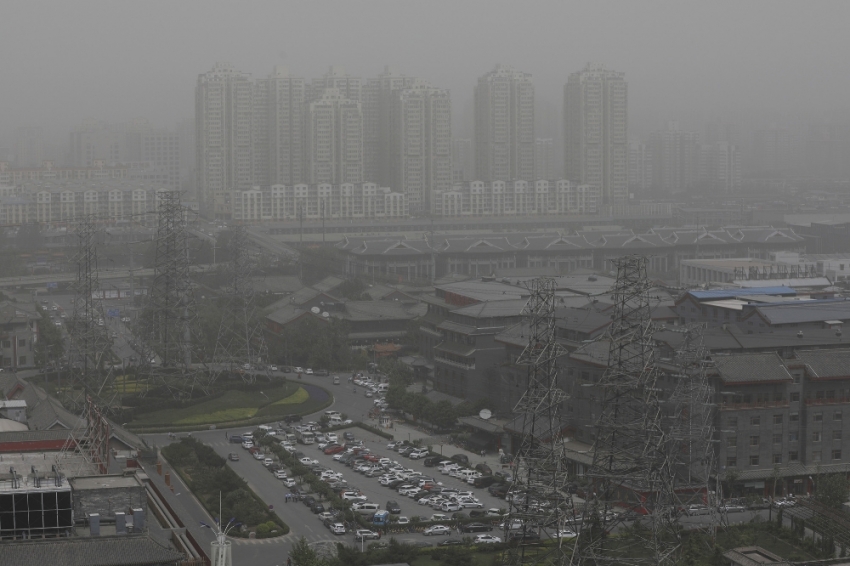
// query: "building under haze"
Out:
[640,167]
[29,146]
[334,139]
[675,157]
[224,138]
[504,125]
[544,158]
[153,152]
[596,131]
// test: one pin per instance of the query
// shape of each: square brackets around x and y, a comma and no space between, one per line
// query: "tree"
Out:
[302,555]
[832,490]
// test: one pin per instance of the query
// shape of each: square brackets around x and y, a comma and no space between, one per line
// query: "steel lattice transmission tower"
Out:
[240,346]
[539,467]
[90,344]
[631,454]
[693,436]
[168,321]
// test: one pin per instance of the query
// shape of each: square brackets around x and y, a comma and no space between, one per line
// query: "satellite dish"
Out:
[315,310]
[485,414]
[325,314]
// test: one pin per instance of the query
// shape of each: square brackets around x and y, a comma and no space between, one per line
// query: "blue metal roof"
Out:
[718,294]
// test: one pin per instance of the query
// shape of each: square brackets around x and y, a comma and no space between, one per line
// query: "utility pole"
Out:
[323,221]
[301,220]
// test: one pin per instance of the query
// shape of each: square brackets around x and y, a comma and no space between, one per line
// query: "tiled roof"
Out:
[719,294]
[751,368]
[826,364]
[134,550]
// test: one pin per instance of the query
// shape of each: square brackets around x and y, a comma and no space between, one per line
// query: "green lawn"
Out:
[232,406]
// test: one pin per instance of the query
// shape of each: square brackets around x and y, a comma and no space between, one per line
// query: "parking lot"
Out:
[369,487]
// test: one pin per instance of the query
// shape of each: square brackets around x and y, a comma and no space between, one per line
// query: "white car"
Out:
[268,462]
[448,506]
[259,456]
[416,454]
[353,496]
[332,437]
[298,369]
[486,539]
[437,530]
[469,504]
[308,461]
[338,529]
[308,371]
[272,368]
[365,534]
[290,482]
[402,520]
[280,474]
[566,533]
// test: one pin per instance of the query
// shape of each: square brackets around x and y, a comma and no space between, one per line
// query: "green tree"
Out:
[302,555]
[832,490]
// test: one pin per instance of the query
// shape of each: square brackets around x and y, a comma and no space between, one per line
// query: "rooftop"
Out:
[820,310]
[752,368]
[135,550]
[826,364]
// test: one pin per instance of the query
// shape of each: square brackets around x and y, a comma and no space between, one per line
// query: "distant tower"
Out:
[504,126]
[596,131]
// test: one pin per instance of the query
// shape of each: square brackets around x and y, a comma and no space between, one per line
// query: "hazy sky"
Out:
[63,62]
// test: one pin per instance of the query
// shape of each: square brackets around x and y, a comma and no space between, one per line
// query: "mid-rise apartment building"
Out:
[504,125]
[596,131]
[516,198]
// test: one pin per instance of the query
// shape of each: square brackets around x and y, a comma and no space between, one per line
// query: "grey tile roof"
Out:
[134,550]
[751,368]
[581,320]
[826,364]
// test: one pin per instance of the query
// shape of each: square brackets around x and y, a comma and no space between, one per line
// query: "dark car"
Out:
[498,490]
[519,536]
[308,501]
[317,508]
[395,483]
[484,481]
[393,507]
[233,456]
[432,461]
[460,515]
[347,435]
[461,459]
[236,439]
[292,419]
[420,494]
[450,542]
[476,528]
[406,450]
[477,513]
[484,469]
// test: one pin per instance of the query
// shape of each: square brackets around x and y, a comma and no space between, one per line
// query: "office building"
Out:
[224,141]
[334,138]
[504,125]
[596,131]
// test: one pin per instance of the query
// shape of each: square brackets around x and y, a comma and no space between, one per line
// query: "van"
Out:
[383,388]
[248,436]
[365,508]
[332,414]
[265,428]
[334,421]
[464,475]
[336,380]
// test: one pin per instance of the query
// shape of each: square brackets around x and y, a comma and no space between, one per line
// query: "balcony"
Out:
[448,362]
[754,405]
[832,401]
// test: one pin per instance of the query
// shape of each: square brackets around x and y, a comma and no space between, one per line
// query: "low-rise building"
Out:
[18,335]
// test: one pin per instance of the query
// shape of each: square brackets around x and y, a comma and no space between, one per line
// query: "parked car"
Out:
[698,510]
[431,461]
[486,539]
[233,457]
[461,459]
[393,507]
[338,529]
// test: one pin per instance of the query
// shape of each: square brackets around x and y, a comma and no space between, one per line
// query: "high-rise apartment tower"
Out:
[596,131]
